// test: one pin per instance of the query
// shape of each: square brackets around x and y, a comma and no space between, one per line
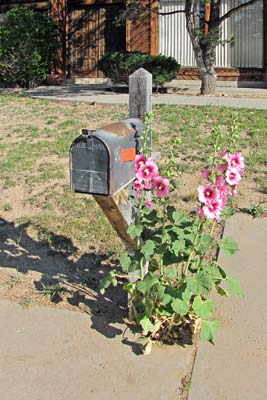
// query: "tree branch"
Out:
[163,13]
[234,10]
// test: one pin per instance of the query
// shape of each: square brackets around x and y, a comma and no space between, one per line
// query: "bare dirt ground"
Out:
[56,246]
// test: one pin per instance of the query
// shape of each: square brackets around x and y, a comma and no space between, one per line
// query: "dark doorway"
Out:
[92,33]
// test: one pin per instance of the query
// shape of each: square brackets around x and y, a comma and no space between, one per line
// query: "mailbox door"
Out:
[90,166]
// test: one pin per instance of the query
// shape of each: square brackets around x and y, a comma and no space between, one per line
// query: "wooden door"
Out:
[92,33]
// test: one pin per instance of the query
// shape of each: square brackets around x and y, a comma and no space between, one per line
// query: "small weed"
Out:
[52,291]
[184,389]
[26,302]
[7,207]
[14,280]
[257,210]
[51,121]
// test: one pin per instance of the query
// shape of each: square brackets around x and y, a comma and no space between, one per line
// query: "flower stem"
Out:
[212,228]
[142,269]
[193,247]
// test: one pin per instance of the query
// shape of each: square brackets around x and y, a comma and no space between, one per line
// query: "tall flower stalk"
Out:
[178,248]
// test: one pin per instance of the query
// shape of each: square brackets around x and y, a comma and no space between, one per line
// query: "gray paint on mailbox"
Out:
[102,161]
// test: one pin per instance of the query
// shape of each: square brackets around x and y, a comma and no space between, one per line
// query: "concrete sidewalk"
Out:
[99,94]
[48,354]
[53,354]
[236,367]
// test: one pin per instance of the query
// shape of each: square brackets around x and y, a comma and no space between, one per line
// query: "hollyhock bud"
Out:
[138,187]
[222,167]
[205,173]
[148,203]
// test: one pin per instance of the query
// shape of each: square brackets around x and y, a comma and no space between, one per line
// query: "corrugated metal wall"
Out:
[246,26]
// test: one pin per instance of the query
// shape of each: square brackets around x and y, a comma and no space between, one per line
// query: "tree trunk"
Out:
[204,42]
[208,82]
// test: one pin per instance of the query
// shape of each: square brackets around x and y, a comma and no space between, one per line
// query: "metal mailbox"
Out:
[102,161]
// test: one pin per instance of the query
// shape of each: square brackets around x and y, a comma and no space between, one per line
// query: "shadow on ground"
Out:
[64,276]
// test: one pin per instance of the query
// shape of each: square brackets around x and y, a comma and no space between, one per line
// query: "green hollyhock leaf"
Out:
[143,340]
[227,212]
[179,217]
[229,246]
[158,290]
[170,210]
[114,282]
[167,298]
[178,245]
[213,271]
[200,284]
[181,307]
[105,283]
[129,287]
[181,293]
[203,309]
[222,272]
[147,283]
[209,329]
[221,291]
[125,261]
[178,231]
[234,287]
[135,231]
[148,249]
[170,258]
[165,237]
[146,325]
[205,243]
[167,311]
[190,237]
[150,215]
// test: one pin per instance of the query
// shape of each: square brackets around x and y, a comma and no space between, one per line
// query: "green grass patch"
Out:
[35,137]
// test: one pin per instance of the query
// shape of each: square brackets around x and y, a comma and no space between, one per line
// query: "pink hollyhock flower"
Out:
[139,160]
[219,180]
[234,190]
[162,186]
[222,167]
[205,173]
[223,190]
[200,212]
[236,161]
[232,176]
[138,187]
[147,184]
[148,170]
[207,193]
[148,203]
[212,210]
[222,154]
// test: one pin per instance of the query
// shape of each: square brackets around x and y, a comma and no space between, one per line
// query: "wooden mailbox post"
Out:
[118,209]
[102,161]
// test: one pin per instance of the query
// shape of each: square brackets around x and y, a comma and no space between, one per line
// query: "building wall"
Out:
[246,26]
[42,5]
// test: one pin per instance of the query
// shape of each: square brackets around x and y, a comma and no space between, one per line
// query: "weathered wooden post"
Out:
[140,93]
[102,161]
[118,209]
